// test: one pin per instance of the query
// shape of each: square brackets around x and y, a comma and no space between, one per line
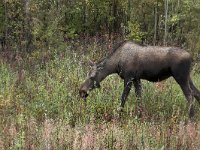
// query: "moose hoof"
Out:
[120,109]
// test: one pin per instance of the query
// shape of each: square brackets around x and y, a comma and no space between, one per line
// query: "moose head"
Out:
[91,81]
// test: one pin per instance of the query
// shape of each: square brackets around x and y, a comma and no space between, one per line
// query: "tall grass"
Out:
[40,108]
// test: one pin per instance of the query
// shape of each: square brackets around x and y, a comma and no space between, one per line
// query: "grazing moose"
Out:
[133,62]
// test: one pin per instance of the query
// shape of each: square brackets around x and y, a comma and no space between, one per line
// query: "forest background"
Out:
[44,49]
[28,25]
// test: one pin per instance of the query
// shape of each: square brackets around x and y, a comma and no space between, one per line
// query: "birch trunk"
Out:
[166,20]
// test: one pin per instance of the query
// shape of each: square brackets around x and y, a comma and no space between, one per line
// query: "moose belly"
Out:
[156,75]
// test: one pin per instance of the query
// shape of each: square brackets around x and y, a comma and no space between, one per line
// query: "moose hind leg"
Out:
[181,73]
[185,86]
[195,91]
[138,88]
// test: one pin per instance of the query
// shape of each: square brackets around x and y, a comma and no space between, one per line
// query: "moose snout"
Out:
[83,94]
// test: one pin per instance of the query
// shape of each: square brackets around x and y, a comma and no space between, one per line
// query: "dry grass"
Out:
[113,135]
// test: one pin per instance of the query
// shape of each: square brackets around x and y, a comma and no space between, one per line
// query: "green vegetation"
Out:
[40,108]
[44,51]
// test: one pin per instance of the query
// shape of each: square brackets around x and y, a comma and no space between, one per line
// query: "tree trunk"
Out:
[28,33]
[5,34]
[129,11]
[166,20]
[114,27]
[155,23]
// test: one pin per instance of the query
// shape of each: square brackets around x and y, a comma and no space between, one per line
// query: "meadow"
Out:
[40,107]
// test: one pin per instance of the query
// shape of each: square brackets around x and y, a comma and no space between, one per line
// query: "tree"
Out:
[166,20]
[26,25]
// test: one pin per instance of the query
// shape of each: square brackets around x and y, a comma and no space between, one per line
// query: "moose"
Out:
[133,62]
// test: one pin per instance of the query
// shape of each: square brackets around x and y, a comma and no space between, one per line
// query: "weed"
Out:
[40,108]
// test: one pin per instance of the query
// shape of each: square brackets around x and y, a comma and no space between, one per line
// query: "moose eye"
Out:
[88,74]
[92,78]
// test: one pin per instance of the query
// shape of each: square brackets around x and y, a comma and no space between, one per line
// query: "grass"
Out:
[40,108]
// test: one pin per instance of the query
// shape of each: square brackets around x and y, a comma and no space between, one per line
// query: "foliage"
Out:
[134,32]
[33,25]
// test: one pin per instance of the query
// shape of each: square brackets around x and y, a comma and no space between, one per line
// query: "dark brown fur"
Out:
[133,62]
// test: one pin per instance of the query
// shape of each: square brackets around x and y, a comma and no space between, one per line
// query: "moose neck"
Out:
[105,68]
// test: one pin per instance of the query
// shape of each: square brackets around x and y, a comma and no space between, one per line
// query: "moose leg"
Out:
[195,91]
[138,88]
[127,88]
[185,86]
[181,73]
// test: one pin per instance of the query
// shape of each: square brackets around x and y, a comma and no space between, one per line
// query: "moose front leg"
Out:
[138,93]
[138,88]
[127,88]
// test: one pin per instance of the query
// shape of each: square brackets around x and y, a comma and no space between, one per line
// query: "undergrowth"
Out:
[40,107]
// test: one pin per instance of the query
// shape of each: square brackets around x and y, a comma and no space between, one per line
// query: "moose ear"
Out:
[94,71]
[93,74]
[97,85]
[91,63]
